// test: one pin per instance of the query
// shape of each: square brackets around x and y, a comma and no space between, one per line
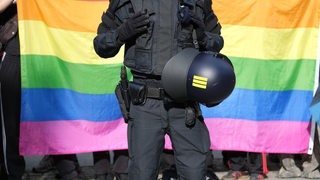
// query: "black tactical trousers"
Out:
[167,161]
[11,99]
[150,122]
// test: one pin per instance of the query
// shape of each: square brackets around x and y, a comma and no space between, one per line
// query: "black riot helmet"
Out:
[205,77]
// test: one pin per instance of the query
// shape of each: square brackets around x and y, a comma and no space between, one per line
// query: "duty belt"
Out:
[140,92]
[155,93]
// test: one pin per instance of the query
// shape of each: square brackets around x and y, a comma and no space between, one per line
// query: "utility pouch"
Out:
[193,112]
[190,116]
[138,93]
[123,107]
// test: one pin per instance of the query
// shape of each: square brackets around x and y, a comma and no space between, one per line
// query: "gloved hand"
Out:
[184,15]
[136,24]
[198,25]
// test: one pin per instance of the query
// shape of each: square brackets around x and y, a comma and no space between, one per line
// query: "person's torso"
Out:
[152,50]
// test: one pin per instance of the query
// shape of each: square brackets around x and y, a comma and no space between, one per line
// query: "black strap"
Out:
[112,8]
[155,93]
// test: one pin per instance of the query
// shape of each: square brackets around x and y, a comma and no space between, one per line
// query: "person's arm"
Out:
[113,33]
[209,31]
[213,40]
[4,4]
[106,43]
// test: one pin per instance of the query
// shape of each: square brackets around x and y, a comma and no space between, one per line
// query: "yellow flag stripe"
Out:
[270,44]
[70,46]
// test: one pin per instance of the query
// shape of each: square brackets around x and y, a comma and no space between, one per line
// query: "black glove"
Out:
[184,15]
[136,24]
[198,25]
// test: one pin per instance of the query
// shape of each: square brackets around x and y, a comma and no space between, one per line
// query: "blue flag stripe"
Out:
[63,104]
[260,105]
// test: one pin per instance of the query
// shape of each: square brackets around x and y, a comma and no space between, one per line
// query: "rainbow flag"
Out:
[273,45]
[68,101]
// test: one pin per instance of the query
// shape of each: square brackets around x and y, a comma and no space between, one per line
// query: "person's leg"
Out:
[288,168]
[46,164]
[169,171]
[190,143]
[225,159]
[101,164]
[210,168]
[120,164]
[255,166]
[237,161]
[145,140]
[3,173]
[311,163]
[168,166]
[11,101]
[67,166]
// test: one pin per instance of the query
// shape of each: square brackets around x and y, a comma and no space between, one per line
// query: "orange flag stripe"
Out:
[263,13]
[88,12]
[268,13]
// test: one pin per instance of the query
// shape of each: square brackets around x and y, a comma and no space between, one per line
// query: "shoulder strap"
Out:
[112,8]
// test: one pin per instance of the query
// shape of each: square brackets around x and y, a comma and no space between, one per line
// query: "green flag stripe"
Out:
[40,71]
[52,72]
[275,75]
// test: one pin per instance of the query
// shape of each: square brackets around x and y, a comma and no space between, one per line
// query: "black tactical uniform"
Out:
[153,31]
[10,99]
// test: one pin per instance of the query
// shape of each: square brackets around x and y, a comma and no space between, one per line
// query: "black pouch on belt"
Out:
[138,93]
[193,112]
[190,116]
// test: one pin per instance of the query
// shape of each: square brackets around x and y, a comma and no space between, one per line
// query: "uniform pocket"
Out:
[143,51]
[143,60]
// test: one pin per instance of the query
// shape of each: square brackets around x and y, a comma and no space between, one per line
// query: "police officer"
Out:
[10,91]
[153,31]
